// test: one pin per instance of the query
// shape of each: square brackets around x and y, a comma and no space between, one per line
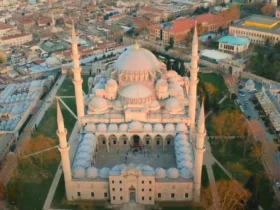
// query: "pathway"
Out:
[208,161]
[221,101]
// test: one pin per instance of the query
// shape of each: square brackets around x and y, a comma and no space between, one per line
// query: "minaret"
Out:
[64,149]
[193,80]
[77,80]
[199,150]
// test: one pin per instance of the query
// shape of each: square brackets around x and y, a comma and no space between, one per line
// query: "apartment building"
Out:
[16,40]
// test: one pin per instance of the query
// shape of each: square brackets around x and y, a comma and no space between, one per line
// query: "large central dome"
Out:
[136,60]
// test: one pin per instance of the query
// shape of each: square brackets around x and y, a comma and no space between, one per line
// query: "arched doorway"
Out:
[147,140]
[101,140]
[169,140]
[135,140]
[112,140]
[158,140]
[132,193]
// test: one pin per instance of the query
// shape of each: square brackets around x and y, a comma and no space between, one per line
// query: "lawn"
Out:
[234,154]
[29,187]
[205,180]
[216,80]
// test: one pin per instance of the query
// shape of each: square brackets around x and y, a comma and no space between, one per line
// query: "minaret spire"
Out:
[199,150]
[77,80]
[193,80]
[64,149]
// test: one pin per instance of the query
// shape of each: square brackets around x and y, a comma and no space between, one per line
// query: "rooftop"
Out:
[234,40]
[259,19]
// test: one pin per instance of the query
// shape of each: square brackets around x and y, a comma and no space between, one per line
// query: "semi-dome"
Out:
[172,173]
[147,168]
[136,60]
[154,106]
[171,73]
[148,127]
[92,172]
[136,93]
[135,125]
[123,127]
[112,83]
[98,104]
[79,172]
[173,104]
[169,127]
[104,173]
[116,168]
[161,82]
[158,127]
[113,128]
[160,173]
[90,127]
[186,173]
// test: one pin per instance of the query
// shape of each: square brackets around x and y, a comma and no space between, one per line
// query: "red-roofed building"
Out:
[25,23]
[116,17]
[4,28]
[44,21]
[179,29]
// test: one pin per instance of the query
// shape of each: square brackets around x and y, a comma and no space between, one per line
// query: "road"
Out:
[271,156]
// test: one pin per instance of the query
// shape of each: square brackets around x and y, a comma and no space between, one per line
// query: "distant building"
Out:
[259,29]
[214,56]
[16,40]
[233,44]
[4,28]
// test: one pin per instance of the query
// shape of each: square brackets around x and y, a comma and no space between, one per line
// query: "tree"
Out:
[233,96]
[267,9]
[237,169]
[257,151]
[253,185]
[11,194]
[171,42]
[220,30]
[182,70]
[176,66]
[168,64]
[228,123]
[32,154]
[2,190]
[232,196]
[104,56]
[3,58]
[210,89]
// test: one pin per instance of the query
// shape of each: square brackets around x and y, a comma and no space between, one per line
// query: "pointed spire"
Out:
[73,32]
[201,119]
[60,121]
[136,45]
[195,37]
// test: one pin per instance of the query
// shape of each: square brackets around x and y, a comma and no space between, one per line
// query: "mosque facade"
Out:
[139,107]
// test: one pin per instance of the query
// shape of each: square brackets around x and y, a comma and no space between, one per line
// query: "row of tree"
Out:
[266,63]
[177,65]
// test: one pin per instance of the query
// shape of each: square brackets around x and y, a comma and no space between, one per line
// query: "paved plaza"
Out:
[154,158]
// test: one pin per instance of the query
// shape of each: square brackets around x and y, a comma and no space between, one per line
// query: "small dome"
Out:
[123,127]
[181,136]
[186,173]
[174,105]
[135,125]
[90,136]
[160,173]
[112,83]
[171,73]
[161,82]
[92,172]
[85,149]
[136,91]
[116,168]
[169,127]
[82,156]
[147,168]
[148,127]
[104,173]
[148,173]
[155,105]
[181,127]
[90,127]
[113,128]
[158,127]
[102,127]
[172,173]
[98,104]
[183,149]
[186,164]
[79,172]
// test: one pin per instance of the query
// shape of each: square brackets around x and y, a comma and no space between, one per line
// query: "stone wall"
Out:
[256,78]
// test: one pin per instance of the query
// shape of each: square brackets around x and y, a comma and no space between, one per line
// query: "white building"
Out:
[233,44]
[140,109]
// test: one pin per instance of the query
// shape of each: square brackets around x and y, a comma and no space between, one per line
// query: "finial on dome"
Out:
[136,45]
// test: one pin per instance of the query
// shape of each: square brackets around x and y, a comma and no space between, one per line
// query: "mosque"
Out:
[138,137]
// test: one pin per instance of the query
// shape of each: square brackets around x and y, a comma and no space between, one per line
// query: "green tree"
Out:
[168,64]
[171,42]
[182,70]
[220,30]
[176,66]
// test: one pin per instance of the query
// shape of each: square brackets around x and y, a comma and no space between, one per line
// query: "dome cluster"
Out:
[136,126]
[183,151]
